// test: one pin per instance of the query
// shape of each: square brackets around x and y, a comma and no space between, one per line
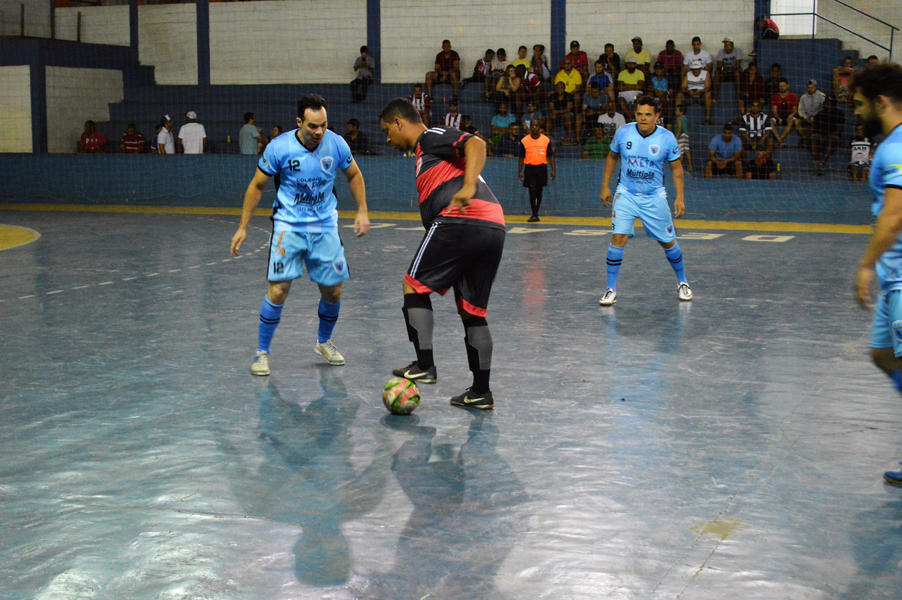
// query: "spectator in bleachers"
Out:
[533,86]
[453,118]
[499,68]
[447,70]
[755,128]
[762,166]
[842,76]
[533,113]
[724,154]
[275,132]
[783,108]
[659,88]
[768,29]
[630,85]
[697,53]
[501,121]
[593,107]
[696,88]
[539,62]
[611,61]
[811,103]
[873,60]
[356,139]
[598,146]
[522,58]
[826,130]
[365,67]
[192,135]
[751,88]
[165,139]
[672,59]
[579,60]
[681,132]
[482,71]
[532,168]
[509,145]
[728,66]
[249,137]
[861,151]
[91,140]
[560,111]
[509,90]
[642,56]
[421,102]
[132,141]
[153,143]
[571,78]
[772,83]
[603,80]
[466,124]
[611,120]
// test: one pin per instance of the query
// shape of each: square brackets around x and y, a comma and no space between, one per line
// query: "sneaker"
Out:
[328,351]
[894,477]
[685,292]
[480,401]
[609,298]
[532,219]
[415,373]
[261,363]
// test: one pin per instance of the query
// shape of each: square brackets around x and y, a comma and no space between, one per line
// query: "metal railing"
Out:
[815,17]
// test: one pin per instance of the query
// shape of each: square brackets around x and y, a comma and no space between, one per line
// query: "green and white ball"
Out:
[400,396]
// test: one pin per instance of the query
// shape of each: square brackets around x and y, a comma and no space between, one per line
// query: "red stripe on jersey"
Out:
[469,308]
[420,288]
[479,209]
[442,172]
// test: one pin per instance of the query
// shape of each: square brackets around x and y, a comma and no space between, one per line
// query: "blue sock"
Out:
[614,260]
[896,376]
[269,319]
[675,256]
[328,315]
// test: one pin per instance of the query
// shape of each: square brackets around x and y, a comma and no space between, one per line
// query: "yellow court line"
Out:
[410,216]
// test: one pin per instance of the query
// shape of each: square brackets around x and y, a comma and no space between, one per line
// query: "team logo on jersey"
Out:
[654,149]
[669,229]
[326,163]
[339,266]
[897,330]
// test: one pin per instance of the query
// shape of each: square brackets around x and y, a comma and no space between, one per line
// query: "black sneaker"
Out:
[480,401]
[415,373]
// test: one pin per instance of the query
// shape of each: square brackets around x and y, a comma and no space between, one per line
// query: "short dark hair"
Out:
[418,85]
[400,108]
[445,42]
[884,79]
[364,49]
[752,64]
[777,65]
[499,51]
[728,127]
[539,46]
[669,42]
[783,80]
[131,126]
[594,86]
[696,39]
[874,56]
[490,51]
[91,123]
[649,101]
[248,116]
[354,122]
[522,48]
[609,45]
[311,101]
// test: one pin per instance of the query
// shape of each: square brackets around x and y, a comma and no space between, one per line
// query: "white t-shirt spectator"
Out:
[703,55]
[166,141]
[611,124]
[192,136]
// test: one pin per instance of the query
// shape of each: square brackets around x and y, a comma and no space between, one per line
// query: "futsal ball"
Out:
[400,396]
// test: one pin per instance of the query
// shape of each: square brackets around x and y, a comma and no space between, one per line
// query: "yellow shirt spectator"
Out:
[521,61]
[572,80]
[642,58]
[634,78]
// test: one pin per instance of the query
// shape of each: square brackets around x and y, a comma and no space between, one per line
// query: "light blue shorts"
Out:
[322,253]
[886,330]
[653,211]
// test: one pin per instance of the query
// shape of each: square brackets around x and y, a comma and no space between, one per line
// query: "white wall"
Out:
[99,24]
[412,33]
[37,17]
[167,40]
[15,109]
[75,96]
[594,24]
[890,12]
[304,41]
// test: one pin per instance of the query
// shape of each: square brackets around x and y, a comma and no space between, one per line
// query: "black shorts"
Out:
[762,171]
[535,175]
[458,255]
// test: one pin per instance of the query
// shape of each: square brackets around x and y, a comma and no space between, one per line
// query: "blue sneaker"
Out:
[894,477]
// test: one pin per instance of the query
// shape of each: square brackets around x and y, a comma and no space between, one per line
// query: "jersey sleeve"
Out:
[673,153]
[892,165]
[268,162]
[444,143]
[618,138]
[343,156]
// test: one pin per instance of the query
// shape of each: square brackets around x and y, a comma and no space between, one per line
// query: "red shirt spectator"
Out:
[92,141]
[751,89]
[673,62]
[580,59]
[784,106]
[132,141]
[447,63]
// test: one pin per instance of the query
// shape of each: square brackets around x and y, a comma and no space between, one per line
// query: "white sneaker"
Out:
[685,292]
[261,363]
[609,298]
[328,351]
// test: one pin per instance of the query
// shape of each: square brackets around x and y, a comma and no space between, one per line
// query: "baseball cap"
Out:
[166,119]
[632,59]
[728,39]
[695,64]
[812,82]
[636,39]
[574,43]
[190,115]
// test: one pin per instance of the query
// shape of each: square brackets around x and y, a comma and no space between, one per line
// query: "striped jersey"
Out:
[421,103]
[755,126]
[886,172]
[441,163]
[453,120]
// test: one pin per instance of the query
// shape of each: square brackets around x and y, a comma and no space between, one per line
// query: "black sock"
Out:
[478,340]
[535,199]
[419,318]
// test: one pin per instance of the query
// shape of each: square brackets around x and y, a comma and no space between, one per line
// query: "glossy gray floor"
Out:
[728,448]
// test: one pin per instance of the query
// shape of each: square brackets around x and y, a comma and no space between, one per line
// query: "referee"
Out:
[535,153]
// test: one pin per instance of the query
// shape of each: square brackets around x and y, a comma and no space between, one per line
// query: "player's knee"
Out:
[330,293]
[278,291]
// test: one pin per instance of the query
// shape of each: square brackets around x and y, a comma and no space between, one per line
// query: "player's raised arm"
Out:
[475,153]
[251,199]
[610,165]
[358,191]
[679,203]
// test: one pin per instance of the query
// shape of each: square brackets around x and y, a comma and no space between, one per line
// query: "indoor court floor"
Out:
[731,447]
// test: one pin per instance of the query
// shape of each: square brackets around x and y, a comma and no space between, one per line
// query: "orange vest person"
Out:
[536,153]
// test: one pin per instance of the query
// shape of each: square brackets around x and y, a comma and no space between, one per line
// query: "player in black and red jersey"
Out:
[462,247]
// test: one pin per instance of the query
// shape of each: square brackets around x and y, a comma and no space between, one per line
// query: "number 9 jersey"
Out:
[642,158]
[305,197]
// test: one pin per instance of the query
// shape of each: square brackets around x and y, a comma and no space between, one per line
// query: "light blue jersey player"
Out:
[878,103]
[643,149]
[304,163]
